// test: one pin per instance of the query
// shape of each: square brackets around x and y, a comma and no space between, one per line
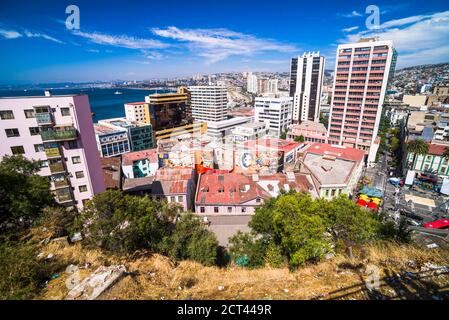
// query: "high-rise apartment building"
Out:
[57,130]
[276,112]
[140,134]
[209,103]
[363,71]
[306,81]
[251,83]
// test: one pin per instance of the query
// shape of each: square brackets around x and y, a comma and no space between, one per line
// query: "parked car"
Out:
[438,224]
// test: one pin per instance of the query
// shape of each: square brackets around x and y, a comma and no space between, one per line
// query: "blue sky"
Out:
[138,40]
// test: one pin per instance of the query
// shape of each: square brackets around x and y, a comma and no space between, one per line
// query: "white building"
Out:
[272,86]
[251,83]
[222,129]
[275,112]
[209,103]
[249,131]
[306,81]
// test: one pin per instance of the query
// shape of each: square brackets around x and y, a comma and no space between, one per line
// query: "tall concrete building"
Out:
[362,73]
[57,130]
[306,81]
[209,103]
[251,83]
[276,112]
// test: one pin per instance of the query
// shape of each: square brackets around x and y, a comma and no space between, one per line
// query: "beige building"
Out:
[415,101]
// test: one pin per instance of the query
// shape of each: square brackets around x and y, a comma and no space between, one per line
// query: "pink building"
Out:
[59,131]
[362,73]
[310,131]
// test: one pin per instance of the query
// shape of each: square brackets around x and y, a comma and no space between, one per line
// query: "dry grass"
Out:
[156,277]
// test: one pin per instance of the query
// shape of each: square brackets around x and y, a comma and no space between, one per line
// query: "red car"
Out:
[438,224]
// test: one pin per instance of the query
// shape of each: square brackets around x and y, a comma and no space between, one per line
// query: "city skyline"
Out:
[118,42]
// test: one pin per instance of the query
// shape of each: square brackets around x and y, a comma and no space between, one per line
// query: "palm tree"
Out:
[417,147]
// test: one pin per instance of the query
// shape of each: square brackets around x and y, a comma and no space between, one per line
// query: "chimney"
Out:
[47,93]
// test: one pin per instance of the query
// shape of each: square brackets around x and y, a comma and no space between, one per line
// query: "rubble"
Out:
[96,283]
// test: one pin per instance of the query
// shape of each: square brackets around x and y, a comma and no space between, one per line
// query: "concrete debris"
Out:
[96,283]
[428,266]
[411,263]
[432,246]
[221,288]
[76,237]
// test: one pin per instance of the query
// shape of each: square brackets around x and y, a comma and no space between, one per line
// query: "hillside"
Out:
[405,272]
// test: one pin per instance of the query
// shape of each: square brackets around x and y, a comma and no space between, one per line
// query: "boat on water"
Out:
[118,92]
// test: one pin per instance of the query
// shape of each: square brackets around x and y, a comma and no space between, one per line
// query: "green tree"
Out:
[417,147]
[191,240]
[299,139]
[124,223]
[245,246]
[23,193]
[394,144]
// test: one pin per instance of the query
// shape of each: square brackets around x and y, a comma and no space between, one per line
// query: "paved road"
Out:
[227,226]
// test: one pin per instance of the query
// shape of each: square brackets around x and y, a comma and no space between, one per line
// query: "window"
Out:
[229,209]
[39,147]
[6,115]
[44,164]
[76,160]
[172,199]
[34,131]
[82,188]
[216,209]
[243,209]
[79,174]
[72,145]
[65,112]
[258,200]
[12,132]
[18,150]
[202,209]
[180,198]
[29,113]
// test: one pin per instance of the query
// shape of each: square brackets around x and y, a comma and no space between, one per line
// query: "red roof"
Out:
[129,158]
[233,188]
[340,152]
[278,144]
[436,149]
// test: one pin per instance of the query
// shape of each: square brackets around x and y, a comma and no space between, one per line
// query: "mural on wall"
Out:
[258,161]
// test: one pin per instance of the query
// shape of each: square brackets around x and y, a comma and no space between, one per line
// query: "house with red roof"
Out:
[238,194]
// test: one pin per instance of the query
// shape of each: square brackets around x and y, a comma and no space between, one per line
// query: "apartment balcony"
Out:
[44,119]
[52,152]
[61,183]
[63,195]
[56,168]
[60,134]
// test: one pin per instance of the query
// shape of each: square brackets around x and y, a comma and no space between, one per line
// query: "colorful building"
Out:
[57,130]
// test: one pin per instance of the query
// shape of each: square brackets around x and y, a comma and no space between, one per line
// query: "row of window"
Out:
[217,209]
[30,113]
[14,132]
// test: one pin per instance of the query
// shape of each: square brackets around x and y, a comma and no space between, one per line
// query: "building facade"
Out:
[275,112]
[140,134]
[363,71]
[111,142]
[306,81]
[209,103]
[57,130]
[251,83]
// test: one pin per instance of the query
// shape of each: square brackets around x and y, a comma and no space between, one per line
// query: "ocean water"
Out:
[103,102]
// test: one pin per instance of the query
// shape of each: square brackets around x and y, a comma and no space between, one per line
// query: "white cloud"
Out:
[350,29]
[418,39]
[41,35]
[121,41]
[10,34]
[13,34]
[218,44]
[351,15]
